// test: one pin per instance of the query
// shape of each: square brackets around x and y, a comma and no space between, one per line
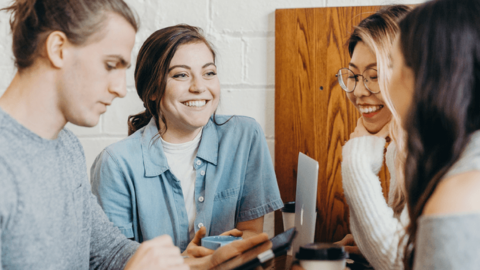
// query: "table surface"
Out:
[285,262]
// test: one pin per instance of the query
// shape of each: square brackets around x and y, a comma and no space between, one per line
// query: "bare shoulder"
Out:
[456,194]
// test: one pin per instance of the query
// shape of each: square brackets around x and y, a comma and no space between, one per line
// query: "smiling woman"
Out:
[180,172]
[376,224]
[158,64]
[366,95]
[192,93]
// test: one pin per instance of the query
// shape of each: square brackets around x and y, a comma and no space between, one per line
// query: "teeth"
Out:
[369,109]
[196,103]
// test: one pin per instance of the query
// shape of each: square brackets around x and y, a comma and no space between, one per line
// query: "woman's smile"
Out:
[368,110]
[196,103]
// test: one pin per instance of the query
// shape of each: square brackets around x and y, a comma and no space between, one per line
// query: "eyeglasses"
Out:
[348,80]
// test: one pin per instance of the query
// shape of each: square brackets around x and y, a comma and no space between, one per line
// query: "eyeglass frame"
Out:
[356,80]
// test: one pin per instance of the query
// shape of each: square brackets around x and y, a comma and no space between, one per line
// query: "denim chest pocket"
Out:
[224,211]
[226,194]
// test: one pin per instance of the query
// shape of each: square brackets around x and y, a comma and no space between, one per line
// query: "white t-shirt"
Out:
[180,158]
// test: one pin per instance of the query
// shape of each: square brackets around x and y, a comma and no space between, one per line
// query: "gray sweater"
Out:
[49,218]
[446,242]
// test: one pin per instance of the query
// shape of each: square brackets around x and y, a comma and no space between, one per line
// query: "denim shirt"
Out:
[235,182]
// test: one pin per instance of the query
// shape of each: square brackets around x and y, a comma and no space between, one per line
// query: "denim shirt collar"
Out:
[154,159]
[208,149]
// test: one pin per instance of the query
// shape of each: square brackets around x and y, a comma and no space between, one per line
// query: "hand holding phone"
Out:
[261,253]
[195,248]
[225,253]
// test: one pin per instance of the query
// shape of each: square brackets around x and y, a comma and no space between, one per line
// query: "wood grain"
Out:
[309,50]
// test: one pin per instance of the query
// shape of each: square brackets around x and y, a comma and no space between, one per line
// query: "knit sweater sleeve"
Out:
[375,229]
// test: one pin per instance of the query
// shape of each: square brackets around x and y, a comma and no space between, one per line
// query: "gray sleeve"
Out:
[8,204]
[448,242]
[109,248]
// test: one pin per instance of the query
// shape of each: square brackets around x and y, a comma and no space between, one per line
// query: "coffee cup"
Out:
[288,215]
[322,256]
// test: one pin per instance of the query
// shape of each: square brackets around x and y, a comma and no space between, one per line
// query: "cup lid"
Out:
[322,252]
[289,207]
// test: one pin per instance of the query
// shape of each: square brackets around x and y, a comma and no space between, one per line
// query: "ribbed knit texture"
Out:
[375,229]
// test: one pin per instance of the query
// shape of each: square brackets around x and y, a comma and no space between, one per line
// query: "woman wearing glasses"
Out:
[375,224]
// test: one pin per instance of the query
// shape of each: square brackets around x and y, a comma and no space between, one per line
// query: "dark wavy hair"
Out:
[440,41]
[152,66]
[33,20]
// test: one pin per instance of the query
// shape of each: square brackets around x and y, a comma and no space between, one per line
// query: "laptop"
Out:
[305,201]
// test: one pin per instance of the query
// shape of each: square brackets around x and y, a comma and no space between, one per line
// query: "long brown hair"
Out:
[440,42]
[33,20]
[152,66]
[378,31]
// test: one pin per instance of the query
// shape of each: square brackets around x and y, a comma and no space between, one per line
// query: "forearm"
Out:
[250,233]
[375,229]
[377,241]
[109,248]
[251,227]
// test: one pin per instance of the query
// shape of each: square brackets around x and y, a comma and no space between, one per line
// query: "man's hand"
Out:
[195,249]
[158,253]
[360,130]
[349,243]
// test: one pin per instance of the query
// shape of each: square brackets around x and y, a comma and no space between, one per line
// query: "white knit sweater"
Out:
[375,229]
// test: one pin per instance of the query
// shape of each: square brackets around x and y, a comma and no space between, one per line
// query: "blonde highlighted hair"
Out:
[378,31]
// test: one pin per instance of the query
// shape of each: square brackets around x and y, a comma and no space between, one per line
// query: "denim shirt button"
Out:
[202,173]
[200,225]
[201,199]
[199,162]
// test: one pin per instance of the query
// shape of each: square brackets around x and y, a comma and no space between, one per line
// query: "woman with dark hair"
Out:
[184,170]
[376,224]
[435,89]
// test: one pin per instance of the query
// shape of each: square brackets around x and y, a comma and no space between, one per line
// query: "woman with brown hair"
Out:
[435,89]
[185,170]
[376,224]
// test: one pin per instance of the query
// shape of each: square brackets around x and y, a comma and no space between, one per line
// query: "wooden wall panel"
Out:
[312,112]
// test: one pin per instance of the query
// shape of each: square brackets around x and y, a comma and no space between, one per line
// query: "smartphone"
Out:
[262,253]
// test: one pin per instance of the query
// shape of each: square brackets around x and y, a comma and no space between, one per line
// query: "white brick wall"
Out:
[242,31]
